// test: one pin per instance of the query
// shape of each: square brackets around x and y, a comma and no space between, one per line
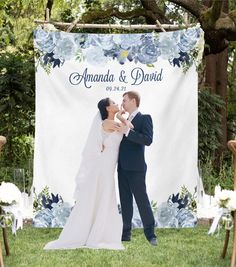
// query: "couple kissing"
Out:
[95,221]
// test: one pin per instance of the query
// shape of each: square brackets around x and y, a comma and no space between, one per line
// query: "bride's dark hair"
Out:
[102,104]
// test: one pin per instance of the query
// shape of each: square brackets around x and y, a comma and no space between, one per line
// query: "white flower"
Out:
[9,193]
[217,190]
[225,195]
[231,204]
[225,198]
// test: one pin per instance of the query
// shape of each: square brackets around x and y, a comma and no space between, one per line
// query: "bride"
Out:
[94,221]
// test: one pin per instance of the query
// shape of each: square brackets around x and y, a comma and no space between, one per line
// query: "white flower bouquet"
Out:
[225,200]
[10,195]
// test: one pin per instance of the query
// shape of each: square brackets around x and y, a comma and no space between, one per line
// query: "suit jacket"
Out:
[132,147]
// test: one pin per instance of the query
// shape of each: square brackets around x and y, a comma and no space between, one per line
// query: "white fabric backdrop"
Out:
[65,111]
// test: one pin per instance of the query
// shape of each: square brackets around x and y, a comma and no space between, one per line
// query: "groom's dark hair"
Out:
[102,106]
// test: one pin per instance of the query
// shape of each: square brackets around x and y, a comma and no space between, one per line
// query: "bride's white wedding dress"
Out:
[95,221]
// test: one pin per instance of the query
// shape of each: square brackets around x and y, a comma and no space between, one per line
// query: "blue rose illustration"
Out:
[166,215]
[44,41]
[186,218]
[149,50]
[65,49]
[126,41]
[168,48]
[43,218]
[54,217]
[105,41]
[95,55]
[188,40]
[99,40]
[60,212]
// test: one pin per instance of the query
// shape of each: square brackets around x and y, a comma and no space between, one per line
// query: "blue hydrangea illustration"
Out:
[50,210]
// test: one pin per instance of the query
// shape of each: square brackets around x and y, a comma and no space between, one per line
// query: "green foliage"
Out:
[17,21]
[154,206]
[21,177]
[16,94]
[212,177]
[192,204]
[17,114]
[6,218]
[209,123]
[20,169]
[231,92]
[37,205]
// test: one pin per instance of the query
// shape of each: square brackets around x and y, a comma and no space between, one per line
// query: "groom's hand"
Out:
[124,128]
[122,111]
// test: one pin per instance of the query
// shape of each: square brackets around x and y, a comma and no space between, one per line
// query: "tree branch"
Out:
[94,15]
[49,6]
[216,10]
[194,7]
[227,26]
[151,5]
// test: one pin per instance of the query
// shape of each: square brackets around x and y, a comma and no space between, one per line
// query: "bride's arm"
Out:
[111,125]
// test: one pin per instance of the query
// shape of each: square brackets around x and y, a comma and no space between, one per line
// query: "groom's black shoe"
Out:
[153,241]
[126,239]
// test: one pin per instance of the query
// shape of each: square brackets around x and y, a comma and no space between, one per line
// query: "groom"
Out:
[132,168]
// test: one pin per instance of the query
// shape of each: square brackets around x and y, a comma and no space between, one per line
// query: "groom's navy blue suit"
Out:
[131,175]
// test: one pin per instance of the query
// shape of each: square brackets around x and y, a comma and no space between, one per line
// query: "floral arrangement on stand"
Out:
[225,201]
[10,197]
[50,210]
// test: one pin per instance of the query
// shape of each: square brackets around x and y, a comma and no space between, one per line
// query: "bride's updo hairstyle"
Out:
[102,105]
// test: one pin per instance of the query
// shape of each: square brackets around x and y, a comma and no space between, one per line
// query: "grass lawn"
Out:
[185,247]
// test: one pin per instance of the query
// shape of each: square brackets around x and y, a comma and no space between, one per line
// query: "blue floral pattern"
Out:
[50,210]
[176,212]
[54,217]
[180,48]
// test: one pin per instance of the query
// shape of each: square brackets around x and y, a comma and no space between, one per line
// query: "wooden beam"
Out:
[117,26]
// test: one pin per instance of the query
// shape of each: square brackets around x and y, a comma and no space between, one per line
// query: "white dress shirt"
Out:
[130,118]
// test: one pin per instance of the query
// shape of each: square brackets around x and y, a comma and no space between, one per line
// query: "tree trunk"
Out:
[216,78]
[221,89]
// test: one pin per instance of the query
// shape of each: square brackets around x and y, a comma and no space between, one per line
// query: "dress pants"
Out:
[132,183]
